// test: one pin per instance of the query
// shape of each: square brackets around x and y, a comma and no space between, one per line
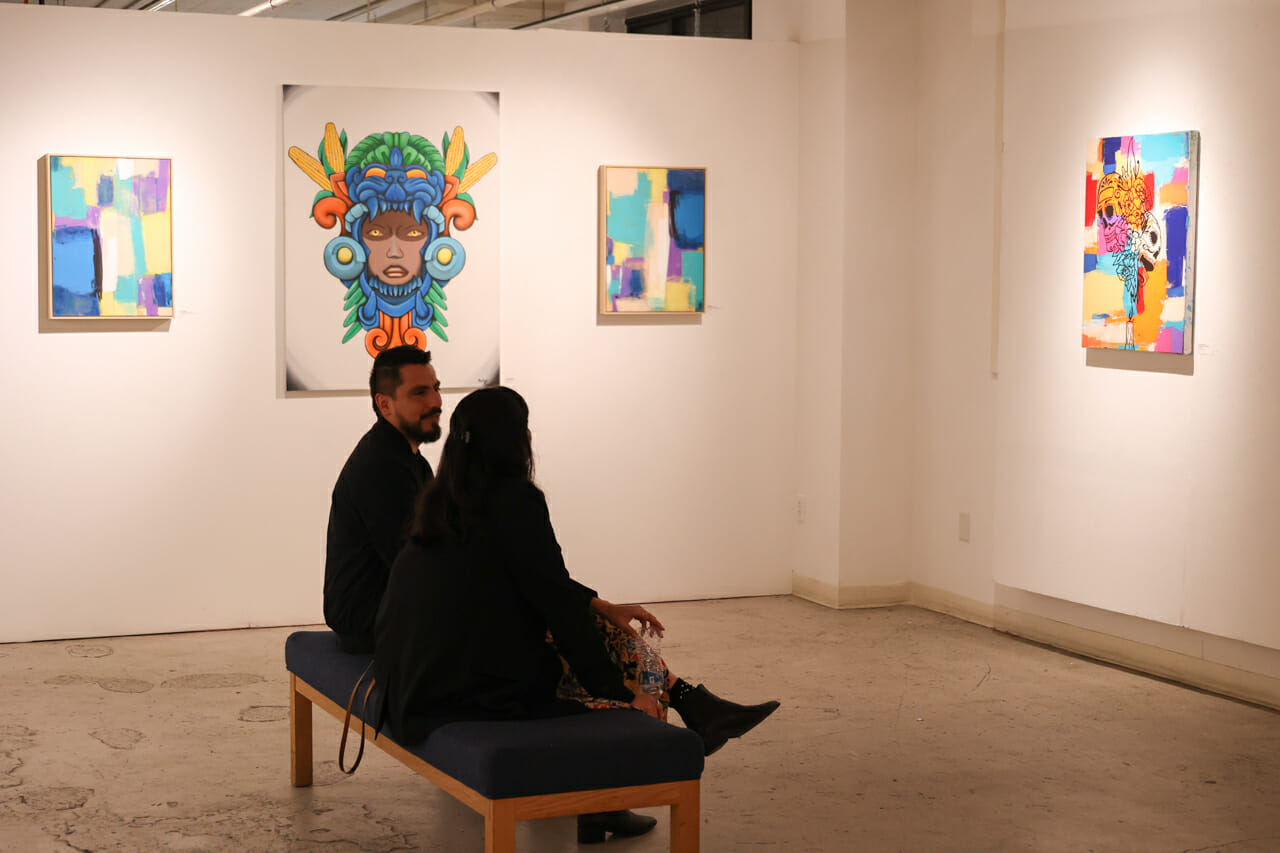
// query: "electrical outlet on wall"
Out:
[963,527]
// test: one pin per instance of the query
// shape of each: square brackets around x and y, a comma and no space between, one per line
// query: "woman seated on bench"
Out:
[462,633]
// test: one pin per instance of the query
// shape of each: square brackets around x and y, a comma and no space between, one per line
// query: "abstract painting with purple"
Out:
[653,240]
[1139,244]
[110,237]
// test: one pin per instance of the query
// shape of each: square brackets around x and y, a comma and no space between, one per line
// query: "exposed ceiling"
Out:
[494,14]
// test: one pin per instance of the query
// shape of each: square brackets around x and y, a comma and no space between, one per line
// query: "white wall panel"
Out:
[157,480]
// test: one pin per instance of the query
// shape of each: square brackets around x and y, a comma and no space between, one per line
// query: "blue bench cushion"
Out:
[520,758]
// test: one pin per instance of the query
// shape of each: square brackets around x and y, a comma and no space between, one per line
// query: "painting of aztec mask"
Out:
[397,209]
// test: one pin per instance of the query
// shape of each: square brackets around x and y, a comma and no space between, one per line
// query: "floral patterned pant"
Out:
[622,648]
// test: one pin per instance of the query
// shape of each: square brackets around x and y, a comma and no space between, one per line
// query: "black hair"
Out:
[488,446]
[384,378]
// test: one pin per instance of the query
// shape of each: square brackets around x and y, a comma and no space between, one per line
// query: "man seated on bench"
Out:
[372,504]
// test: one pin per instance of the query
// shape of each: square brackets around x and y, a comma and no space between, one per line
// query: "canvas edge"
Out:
[1189,262]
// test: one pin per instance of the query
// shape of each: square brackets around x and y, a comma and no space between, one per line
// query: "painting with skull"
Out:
[1139,249]
[391,233]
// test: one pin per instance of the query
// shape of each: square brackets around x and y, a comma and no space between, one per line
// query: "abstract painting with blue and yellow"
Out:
[653,240]
[1139,243]
[110,239]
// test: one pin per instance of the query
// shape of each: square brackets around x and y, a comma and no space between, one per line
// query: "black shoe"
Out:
[592,827]
[715,719]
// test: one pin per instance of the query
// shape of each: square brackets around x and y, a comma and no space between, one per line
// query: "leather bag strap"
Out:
[346,723]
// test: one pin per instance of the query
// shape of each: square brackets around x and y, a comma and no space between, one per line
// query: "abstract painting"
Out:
[1139,244]
[383,228]
[110,237]
[652,240]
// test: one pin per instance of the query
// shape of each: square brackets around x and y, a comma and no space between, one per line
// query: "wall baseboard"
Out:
[849,597]
[952,604]
[1142,657]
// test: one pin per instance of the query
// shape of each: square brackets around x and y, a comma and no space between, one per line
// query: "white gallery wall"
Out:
[965,169]
[820,290]
[881,260]
[956,188]
[1141,484]
[158,479]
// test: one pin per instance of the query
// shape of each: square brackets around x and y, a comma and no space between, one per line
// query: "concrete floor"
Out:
[901,730]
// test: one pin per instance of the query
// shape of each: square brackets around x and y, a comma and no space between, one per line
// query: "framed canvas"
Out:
[652,240]
[1140,241]
[390,233]
[110,236]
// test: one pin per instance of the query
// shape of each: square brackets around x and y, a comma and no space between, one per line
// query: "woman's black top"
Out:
[461,634]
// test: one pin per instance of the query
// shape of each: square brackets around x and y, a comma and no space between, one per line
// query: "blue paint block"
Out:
[77,267]
[106,191]
[127,289]
[1176,224]
[163,290]
[688,207]
[1110,146]
[634,283]
[66,199]
[688,219]
[1090,262]
[628,214]
[1155,147]
[67,304]
[691,264]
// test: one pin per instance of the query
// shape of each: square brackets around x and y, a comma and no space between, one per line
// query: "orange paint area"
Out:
[1146,325]
[393,332]
[1174,193]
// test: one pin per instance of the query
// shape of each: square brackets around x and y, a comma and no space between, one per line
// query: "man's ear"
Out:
[383,402]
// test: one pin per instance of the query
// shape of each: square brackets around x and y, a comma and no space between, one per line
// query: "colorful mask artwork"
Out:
[653,240]
[110,238]
[1139,254]
[396,202]
[395,210]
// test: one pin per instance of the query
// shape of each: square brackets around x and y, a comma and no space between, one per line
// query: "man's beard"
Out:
[416,432]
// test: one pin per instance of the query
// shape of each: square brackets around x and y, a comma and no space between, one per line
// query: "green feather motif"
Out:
[355,297]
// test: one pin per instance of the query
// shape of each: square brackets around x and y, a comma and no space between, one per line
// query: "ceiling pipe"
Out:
[602,8]
[261,7]
[468,13]
[359,11]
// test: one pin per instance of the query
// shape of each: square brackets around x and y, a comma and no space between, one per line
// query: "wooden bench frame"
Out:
[500,815]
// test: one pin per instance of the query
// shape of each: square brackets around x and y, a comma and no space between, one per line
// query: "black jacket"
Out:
[372,504]
[462,629]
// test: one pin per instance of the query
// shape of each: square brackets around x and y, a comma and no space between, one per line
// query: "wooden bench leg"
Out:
[299,735]
[500,828]
[685,818]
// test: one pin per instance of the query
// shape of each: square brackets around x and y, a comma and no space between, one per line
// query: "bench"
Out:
[513,770]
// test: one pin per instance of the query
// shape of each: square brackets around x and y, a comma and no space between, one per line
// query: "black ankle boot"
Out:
[715,719]
[592,827]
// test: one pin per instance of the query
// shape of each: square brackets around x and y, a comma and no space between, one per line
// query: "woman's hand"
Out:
[648,704]
[623,614]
